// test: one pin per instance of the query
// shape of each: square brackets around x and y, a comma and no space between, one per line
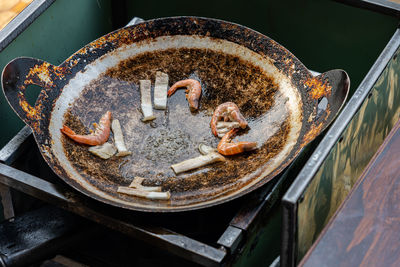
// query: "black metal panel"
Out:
[295,192]
[39,234]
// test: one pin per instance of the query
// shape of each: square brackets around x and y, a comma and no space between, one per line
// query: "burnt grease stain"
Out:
[177,132]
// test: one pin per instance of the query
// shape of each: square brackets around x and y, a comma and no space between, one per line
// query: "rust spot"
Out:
[312,133]
[119,38]
[328,112]
[43,73]
[31,112]
[318,88]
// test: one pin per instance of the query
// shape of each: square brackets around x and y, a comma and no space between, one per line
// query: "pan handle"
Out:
[328,91]
[22,72]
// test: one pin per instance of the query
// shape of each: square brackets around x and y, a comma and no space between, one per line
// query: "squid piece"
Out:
[160,90]
[225,126]
[137,183]
[119,139]
[144,194]
[147,107]
[197,162]
[227,111]
[104,151]
[204,149]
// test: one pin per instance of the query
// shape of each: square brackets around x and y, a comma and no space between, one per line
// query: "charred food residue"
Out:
[178,131]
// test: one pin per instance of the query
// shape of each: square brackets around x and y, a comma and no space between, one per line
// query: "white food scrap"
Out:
[147,108]
[197,162]
[104,151]
[145,194]
[137,183]
[204,149]
[119,139]
[160,90]
[225,126]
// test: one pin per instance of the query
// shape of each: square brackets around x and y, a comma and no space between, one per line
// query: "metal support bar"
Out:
[231,238]
[6,202]
[15,146]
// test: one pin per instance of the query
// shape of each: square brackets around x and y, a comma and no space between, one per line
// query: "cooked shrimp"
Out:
[227,111]
[100,135]
[193,92]
[226,148]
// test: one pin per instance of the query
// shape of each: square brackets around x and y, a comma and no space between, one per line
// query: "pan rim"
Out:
[226,197]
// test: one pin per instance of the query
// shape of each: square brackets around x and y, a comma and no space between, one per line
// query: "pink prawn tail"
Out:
[175,86]
[66,130]
[213,126]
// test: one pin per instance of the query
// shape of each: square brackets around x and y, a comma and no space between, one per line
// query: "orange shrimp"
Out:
[227,111]
[100,135]
[193,92]
[226,148]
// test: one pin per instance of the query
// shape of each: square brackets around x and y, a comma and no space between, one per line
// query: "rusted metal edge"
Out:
[300,184]
[65,198]
[16,26]
[15,146]
[134,20]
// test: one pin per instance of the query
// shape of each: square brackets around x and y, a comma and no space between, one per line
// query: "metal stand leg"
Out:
[6,201]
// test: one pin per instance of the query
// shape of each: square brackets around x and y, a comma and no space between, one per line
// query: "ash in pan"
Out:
[165,145]
[176,133]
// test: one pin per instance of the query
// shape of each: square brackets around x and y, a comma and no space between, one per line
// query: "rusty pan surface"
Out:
[285,106]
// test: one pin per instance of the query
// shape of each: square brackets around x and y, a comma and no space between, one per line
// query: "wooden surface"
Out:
[11,8]
[365,231]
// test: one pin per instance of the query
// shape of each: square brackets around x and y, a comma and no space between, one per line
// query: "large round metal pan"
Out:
[285,105]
